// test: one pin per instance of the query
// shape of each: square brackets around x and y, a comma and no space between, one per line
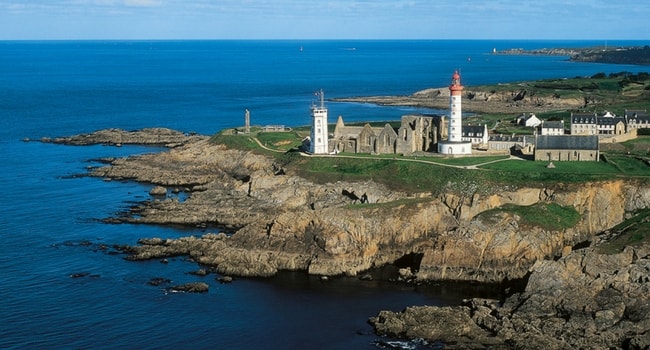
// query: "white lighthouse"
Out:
[455,144]
[319,133]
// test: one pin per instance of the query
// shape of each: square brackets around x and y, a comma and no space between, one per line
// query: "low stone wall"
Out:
[631,135]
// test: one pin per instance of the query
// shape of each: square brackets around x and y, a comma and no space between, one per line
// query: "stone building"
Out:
[637,119]
[417,133]
[566,148]
[608,124]
[507,143]
[476,134]
[584,124]
[420,133]
[611,125]
[362,139]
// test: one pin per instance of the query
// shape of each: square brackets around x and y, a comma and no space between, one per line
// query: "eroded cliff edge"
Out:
[573,298]
[280,221]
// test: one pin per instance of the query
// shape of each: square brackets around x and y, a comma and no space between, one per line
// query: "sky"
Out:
[324,19]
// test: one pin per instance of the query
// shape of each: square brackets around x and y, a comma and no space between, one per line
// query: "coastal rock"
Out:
[516,99]
[587,299]
[284,222]
[442,324]
[158,191]
[574,298]
[191,287]
[117,137]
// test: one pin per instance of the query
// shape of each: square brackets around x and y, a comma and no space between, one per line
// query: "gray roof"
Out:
[553,125]
[569,142]
[477,130]
[583,118]
[610,121]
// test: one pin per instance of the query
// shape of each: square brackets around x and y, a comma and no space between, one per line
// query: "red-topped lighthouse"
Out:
[454,144]
[455,118]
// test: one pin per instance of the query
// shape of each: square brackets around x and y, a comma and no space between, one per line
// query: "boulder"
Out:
[191,287]
[158,191]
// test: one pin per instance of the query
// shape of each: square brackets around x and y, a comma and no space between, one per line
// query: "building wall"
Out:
[552,131]
[558,155]
[584,129]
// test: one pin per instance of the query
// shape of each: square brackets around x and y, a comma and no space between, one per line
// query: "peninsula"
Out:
[601,54]
[569,245]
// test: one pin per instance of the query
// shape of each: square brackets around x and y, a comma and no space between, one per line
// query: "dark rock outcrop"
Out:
[584,300]
[190,287]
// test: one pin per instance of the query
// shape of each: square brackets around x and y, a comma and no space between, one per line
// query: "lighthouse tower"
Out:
[319,134]
[455,144]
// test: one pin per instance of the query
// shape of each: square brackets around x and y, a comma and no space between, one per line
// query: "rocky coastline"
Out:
[117,137]
[273,221]
[515,100]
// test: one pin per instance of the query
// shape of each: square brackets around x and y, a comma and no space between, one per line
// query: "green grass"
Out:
[431,158]
[467,161]
[548,216]
[397,175]
[638,146]
[240,142]
[521,172]
[282,141]
[634,231]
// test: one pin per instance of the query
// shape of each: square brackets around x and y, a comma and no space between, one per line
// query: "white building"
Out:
[529,120]
[319,134]
[454,145]
[553,127]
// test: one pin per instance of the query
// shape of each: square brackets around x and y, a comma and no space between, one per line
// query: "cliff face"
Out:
[286,222]
[585,300]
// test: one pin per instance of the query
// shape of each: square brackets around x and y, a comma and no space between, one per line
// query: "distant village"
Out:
[424,134]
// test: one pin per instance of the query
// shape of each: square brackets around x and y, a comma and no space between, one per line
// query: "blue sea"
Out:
[60,289]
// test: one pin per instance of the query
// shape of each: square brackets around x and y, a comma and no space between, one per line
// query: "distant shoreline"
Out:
[635,55]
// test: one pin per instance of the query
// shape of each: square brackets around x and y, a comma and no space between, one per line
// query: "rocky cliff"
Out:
[274,220]
[279,221]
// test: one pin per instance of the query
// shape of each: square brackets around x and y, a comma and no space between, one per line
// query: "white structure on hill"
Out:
[455,144]
[319,135]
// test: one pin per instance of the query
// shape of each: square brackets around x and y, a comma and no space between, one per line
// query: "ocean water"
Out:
[60,289]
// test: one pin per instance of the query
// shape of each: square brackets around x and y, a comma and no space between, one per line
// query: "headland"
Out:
[563,265]
[570,250]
